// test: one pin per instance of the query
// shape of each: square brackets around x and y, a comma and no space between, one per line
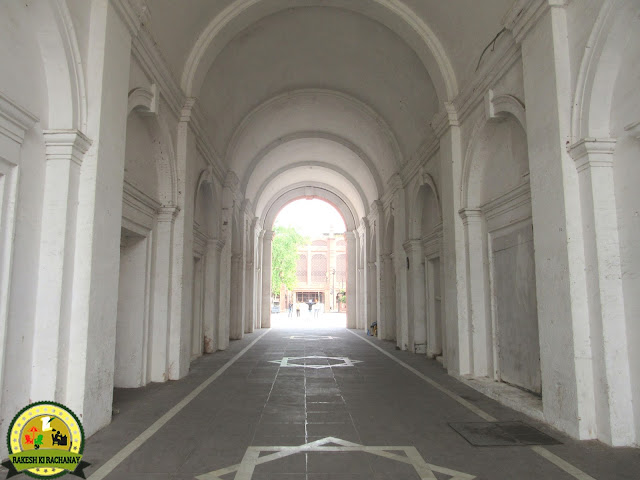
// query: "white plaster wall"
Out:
[23,77]
[516,308]
[504,160]
[626,167]
[20,327]
[22,80]
[140,167]
[131,327]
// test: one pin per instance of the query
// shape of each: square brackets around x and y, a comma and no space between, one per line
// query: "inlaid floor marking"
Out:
[299,362]
[311,337]
[252,459]
[122,455]
[543,452]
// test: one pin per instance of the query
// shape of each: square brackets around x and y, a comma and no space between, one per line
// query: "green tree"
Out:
[284,257]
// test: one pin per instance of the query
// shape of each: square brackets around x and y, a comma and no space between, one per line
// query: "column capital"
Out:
[593,152]
[168,213]
[469,215]
[216,244]
[268,235]
[66,145]
[445,119]
[413,246]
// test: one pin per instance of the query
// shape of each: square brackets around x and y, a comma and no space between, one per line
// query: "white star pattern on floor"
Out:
[300,362]
[411,456]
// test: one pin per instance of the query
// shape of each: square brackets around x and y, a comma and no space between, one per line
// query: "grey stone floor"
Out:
[366,401]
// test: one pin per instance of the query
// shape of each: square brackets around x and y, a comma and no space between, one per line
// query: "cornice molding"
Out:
[15,121]
[513,199]
[191,113]
[525,13]
[139,201]
[134,13]
[633,129]
[422,156]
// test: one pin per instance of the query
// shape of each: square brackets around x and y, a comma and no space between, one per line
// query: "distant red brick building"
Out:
[321,273]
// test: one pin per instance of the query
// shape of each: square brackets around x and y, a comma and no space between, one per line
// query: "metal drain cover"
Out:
[502,434]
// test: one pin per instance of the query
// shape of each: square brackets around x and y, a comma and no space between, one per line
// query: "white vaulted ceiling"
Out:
[337,92]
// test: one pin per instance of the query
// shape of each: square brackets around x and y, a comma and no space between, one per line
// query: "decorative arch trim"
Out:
[363,108]
[599,69]
[305,190]
[339,171]
[198,62]
[303,135]
[58,46]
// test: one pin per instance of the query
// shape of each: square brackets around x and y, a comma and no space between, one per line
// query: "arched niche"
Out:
[149,141]
[497,217]
[206,211]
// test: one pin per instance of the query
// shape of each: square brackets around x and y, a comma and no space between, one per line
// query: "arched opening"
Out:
[309,264]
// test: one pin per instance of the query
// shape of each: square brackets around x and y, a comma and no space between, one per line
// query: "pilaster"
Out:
[477,285]
[614,409]
[456,351]
[565,347]
[65,150]
[267,240]
[352,290]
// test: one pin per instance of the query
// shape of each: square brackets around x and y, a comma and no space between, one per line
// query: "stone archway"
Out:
[346,211]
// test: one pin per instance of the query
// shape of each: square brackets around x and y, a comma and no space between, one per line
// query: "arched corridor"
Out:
[483,159]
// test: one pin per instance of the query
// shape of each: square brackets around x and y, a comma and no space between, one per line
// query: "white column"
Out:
[236,329]
[453,252]
[417,309]
[64,153]
[249,276]
[211,280]
[351,280]
[563,313]
[257,291]
[92,332]
[614,409]
[159,355]
[362,282]
[266,278]
[477,290]
[389,298]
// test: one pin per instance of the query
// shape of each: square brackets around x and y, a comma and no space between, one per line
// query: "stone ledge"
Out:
[507,395]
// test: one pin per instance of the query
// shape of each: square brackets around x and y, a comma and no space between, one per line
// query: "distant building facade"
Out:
[321,273]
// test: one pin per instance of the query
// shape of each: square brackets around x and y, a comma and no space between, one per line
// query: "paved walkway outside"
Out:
[321,402]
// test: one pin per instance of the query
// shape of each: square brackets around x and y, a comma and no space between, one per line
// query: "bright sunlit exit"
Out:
[309,266]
